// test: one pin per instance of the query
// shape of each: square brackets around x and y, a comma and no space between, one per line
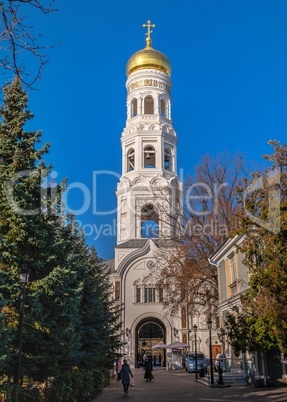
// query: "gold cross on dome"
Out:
[149,25]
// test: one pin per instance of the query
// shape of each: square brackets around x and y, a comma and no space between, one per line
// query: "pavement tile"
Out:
[179,386]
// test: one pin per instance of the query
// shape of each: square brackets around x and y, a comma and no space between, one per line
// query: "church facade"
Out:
[147,210]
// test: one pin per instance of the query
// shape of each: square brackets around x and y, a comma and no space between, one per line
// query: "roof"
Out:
[109,266]
[225,248]
[148,58]
[139,243]
[134,243]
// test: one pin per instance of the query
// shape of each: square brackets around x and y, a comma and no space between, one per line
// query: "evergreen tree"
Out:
[98,324]
[100,318]
[6,333]
[22,226]
[32,232]
[53,341]
[70,320]
[23,229]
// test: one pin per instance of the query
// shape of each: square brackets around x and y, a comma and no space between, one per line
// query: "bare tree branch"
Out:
[17,38]
[202,221]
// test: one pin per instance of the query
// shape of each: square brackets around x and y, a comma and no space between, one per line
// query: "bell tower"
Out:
[149,207]
[149,189]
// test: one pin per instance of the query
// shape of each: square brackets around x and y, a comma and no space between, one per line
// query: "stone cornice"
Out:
[125,263]
[225,249]
[148,74]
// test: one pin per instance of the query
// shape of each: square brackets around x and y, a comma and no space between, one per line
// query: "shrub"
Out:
[16,393]
[77,385]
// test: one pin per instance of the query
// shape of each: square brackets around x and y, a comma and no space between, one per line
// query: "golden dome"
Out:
[148,58]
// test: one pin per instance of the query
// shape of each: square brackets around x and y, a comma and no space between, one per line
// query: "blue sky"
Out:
[229,64]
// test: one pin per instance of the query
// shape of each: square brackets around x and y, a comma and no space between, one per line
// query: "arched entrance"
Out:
[148,333]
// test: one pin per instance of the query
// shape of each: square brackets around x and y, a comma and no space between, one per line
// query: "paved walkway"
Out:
[179,386]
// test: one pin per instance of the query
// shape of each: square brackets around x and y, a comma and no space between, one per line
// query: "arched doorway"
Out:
[149,332]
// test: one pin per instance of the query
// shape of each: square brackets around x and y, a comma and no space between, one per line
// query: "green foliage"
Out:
[15,393]
[53,341]
[76,385]
[70,325]
[101,379]
[242,329]
[22,226]
[7,334]
[22,233]
[265,229]
[100,326]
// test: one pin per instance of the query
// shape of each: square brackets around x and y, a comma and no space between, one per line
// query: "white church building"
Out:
[147,198]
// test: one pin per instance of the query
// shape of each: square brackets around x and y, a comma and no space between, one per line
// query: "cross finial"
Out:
[148,25]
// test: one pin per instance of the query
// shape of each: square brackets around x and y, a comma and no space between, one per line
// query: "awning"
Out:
[160,345]
[177,345]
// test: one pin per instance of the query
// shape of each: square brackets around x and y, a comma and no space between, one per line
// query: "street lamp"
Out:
[195,349]
[209,325]
[24,279]
[221,362]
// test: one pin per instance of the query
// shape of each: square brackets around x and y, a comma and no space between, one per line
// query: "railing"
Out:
[150,117]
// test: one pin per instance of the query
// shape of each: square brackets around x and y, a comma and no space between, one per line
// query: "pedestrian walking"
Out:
[119,369]
[148,370]
[126,373]
[144,360]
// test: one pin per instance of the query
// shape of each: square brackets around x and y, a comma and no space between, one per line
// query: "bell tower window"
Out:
[149,157]
[149,222]
[167,159]
[134,107]
[148,105]
[131,160]
[162,108]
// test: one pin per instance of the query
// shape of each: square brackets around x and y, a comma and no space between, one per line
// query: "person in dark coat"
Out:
[144,360]
[148,370]
[126,373]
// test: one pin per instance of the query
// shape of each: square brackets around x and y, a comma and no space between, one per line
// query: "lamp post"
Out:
[209,325]
[221,336]
[24,279]
[195,350]
[221,363]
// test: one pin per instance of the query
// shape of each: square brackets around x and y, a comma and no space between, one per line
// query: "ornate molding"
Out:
[150,264]
[148,83]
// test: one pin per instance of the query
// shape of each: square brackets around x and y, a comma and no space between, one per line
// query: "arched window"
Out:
[167,159]
[162,108]
[149,157]
[148,105]
[134,107]
[149,222]
[131,160]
